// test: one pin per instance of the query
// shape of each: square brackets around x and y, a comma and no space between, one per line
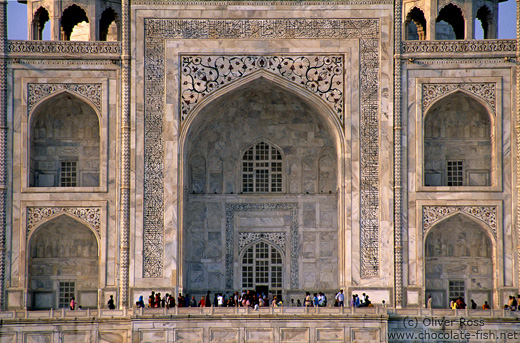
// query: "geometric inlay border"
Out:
[37,91]
[202,75]
[91,215]
[157,31]
[484,90]
[293,236]
[433,214]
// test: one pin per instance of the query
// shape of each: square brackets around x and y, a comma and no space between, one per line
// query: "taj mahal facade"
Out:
[286,147]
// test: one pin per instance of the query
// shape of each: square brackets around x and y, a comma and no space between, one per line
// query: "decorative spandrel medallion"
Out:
[321,75]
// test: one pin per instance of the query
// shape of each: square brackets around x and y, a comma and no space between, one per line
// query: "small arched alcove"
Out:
[450,23]
[109,25]
[75,24]
[41,17]
[64,147]
[259,131]
[457,142]
[458,253]
[415,25]
[484,17]
[62,263]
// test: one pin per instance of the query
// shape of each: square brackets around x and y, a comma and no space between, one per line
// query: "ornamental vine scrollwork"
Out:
[38,91]
[276,238]
[484,90]
[91,215]
[431,215]
[202,75]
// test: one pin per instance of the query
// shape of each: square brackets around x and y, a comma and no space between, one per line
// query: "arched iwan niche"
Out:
[458,262]
[457,142]
[262,118]
[64,143]
[62,262]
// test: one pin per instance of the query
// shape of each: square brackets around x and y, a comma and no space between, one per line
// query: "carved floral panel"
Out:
[431,215]
[321,75]
[38,91]
[91,215]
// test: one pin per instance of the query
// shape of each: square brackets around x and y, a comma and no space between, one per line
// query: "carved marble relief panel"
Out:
[366,31]
[321,75]
[484,90]
[91,215]
[431,215]
[246,238]
[38,91]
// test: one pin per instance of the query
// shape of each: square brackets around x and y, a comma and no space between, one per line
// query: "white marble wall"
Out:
[64,75]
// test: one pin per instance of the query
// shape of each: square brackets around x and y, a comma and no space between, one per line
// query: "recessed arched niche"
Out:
[457,142]
[458,255]
[63,262]
[249,154]
[64,145]
[415,25]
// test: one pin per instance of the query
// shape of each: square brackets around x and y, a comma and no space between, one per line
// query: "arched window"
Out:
[262,169]
[262,269]
[415,24]
[40,18]
[74,24]
[449,23]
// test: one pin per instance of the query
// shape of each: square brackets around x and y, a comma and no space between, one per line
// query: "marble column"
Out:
[3,147]
[124,220]
[398,245]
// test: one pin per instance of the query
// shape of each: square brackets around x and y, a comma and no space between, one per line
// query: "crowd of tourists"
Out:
[247,299]
[459,304]
[243,299]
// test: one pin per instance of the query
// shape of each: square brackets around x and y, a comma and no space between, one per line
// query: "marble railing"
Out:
[62,47]
[440,312]
[189,311]
[460,46]
[226,311]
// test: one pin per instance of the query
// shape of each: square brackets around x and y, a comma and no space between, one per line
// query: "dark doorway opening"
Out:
[262,290]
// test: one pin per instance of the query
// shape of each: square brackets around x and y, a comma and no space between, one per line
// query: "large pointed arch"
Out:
[197,119]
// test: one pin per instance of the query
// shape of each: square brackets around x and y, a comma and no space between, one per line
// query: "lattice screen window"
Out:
[69,174]
[455,173]
[262,169]
[67,289]
[456,289]
[262,266]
